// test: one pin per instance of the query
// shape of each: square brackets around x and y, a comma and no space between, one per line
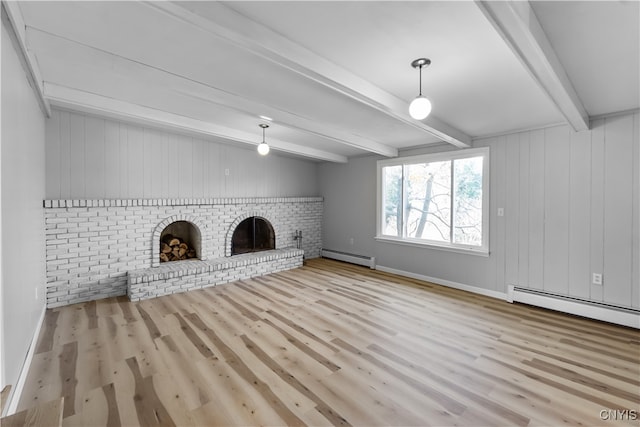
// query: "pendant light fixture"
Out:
[420,107]
[263,147]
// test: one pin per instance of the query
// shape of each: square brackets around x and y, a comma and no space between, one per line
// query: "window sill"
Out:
[418,244]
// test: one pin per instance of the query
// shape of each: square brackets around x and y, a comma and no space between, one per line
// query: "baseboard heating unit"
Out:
[366,261]
[594,310]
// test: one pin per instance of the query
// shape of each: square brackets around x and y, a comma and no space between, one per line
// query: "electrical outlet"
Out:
[500,211]
[597,279]
[226,172]
[351,241]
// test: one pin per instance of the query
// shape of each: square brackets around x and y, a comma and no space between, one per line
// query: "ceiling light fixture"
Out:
[263,147]
[420,107]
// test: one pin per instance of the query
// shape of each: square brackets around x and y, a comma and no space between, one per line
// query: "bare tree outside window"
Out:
[438,201]
[429,200]
[392,200]
[467,202]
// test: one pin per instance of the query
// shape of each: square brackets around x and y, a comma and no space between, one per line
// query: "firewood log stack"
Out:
[175,249]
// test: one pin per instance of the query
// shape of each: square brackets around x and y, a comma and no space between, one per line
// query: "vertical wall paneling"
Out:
[244,183]
[226,162]
[172,164]
[147,164]
[580,214]
[94,158]
[136,161]
[164,165]
[112,160]
[536,209]
[185,170]
[257,171]
[216,171]
[239,170]
[52,156]
[498,193]
[635,276]
[523,209]
[243,162]
[260,171]
[65,155]
[512,209]
[618,208]
[156,151]
[248,182]
[206,169]
[597,205]
[556,209]
[197,171]
[76,150]
[124,161]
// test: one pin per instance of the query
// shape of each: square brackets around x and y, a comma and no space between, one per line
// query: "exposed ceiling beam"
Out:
[247,34]
[16,23]
[519,27]
[294,121]
[201,91]
[108,107]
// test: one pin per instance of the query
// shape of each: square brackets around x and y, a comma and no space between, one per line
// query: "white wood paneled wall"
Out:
[571,205]
[95,158]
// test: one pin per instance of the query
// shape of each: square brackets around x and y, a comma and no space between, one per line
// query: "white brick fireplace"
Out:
[93,245]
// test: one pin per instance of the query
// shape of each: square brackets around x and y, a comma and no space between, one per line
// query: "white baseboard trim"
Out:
[16,392]
[619,316]
[447,283]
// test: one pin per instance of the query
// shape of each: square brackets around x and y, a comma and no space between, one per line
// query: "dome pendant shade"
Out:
[263,147]
[420,108]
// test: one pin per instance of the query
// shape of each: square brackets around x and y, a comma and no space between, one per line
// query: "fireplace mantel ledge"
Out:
[99,203]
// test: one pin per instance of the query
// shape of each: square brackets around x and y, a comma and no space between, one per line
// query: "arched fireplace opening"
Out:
[254,234]
[179,241]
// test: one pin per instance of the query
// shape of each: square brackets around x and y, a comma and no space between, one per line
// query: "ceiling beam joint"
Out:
[254,37]
[517,24]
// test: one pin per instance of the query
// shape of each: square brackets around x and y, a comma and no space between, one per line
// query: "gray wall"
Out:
[571,205]
[96,158]
[22,192]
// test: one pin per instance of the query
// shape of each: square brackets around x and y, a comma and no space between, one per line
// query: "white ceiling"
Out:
[336,76]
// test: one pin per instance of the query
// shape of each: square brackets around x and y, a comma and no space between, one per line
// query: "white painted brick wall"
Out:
[92,244]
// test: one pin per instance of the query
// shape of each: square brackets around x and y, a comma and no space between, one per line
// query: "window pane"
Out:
[467,203]
[392,200]
[429,200]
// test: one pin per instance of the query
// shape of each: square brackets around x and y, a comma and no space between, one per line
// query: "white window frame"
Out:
[429,158]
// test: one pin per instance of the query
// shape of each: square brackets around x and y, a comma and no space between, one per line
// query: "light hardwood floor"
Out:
[331,343]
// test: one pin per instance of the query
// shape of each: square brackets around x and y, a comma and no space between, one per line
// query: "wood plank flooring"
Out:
[331,344]
[45,414]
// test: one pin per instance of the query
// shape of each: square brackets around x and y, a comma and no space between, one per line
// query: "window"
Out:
[437,200]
